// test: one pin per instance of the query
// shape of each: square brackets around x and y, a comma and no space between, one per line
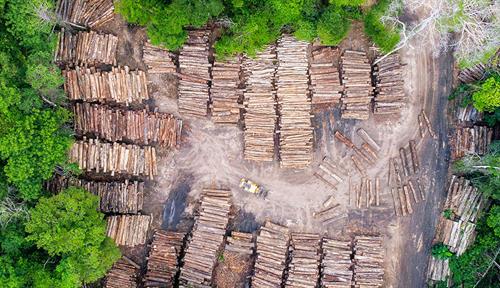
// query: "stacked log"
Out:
[163,259]
[157,60]
[325,80]
[194,74]
[336,265]
[128,230]
[136,126]
[303,270]
[260,111]
[272,248]
[464,200]
[114,159]
[364,157]
[463,204]
[120,85]
[406,196]
[468,114]
[241,243]
[91,13]
[439,269]
[456,234]
[471,141]
[389,90]
[368,261]
[294,105]
[225,93]
[473,74]
[331,173]
[424,124]
[356,79]
[86,48]
[123,274]
[367,193]
[116,197]
[330,212]
[206,239]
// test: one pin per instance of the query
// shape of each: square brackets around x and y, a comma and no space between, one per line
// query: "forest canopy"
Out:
[45,241]
[250,25]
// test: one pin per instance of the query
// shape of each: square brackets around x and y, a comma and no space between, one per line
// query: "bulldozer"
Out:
[253,188]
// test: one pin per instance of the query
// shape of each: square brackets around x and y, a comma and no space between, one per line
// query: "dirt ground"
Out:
[213,153]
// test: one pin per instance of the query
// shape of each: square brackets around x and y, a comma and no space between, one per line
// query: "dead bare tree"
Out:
[469,28]
[11,209]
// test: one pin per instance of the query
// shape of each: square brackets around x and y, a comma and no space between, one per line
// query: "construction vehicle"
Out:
[252,187]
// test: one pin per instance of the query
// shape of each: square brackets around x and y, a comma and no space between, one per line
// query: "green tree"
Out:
[487,97]
[386,37]
[475,266]
[32,136]
[166,21]
[333,26]
[68,225]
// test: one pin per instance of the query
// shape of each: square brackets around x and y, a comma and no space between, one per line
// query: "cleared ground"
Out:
[213,154]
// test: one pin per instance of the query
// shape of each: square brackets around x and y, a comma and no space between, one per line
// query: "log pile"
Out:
[157,60]
[389,90]
[406,195]
[86,48]
[163,259]
[457,235]
[336,265]
[424,124]
[117,197]
[325,80]
[194,74]
[129,230]
[123,274]
[272,253]
[468,114]
[303,270]
[206,239]
[91,13]
[464,200]
[120,85]
[260,106]
[225,93]
[331,173]
[241,243]
[330,212]
[364,157]
[114,159]
[471,141]
[439,269]
[358,90]
[294,105]
[368,261]
[463,204]
[367,193]
[136,126]
[473,74]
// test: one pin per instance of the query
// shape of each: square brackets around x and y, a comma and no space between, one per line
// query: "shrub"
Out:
[448,213]
[441,251]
